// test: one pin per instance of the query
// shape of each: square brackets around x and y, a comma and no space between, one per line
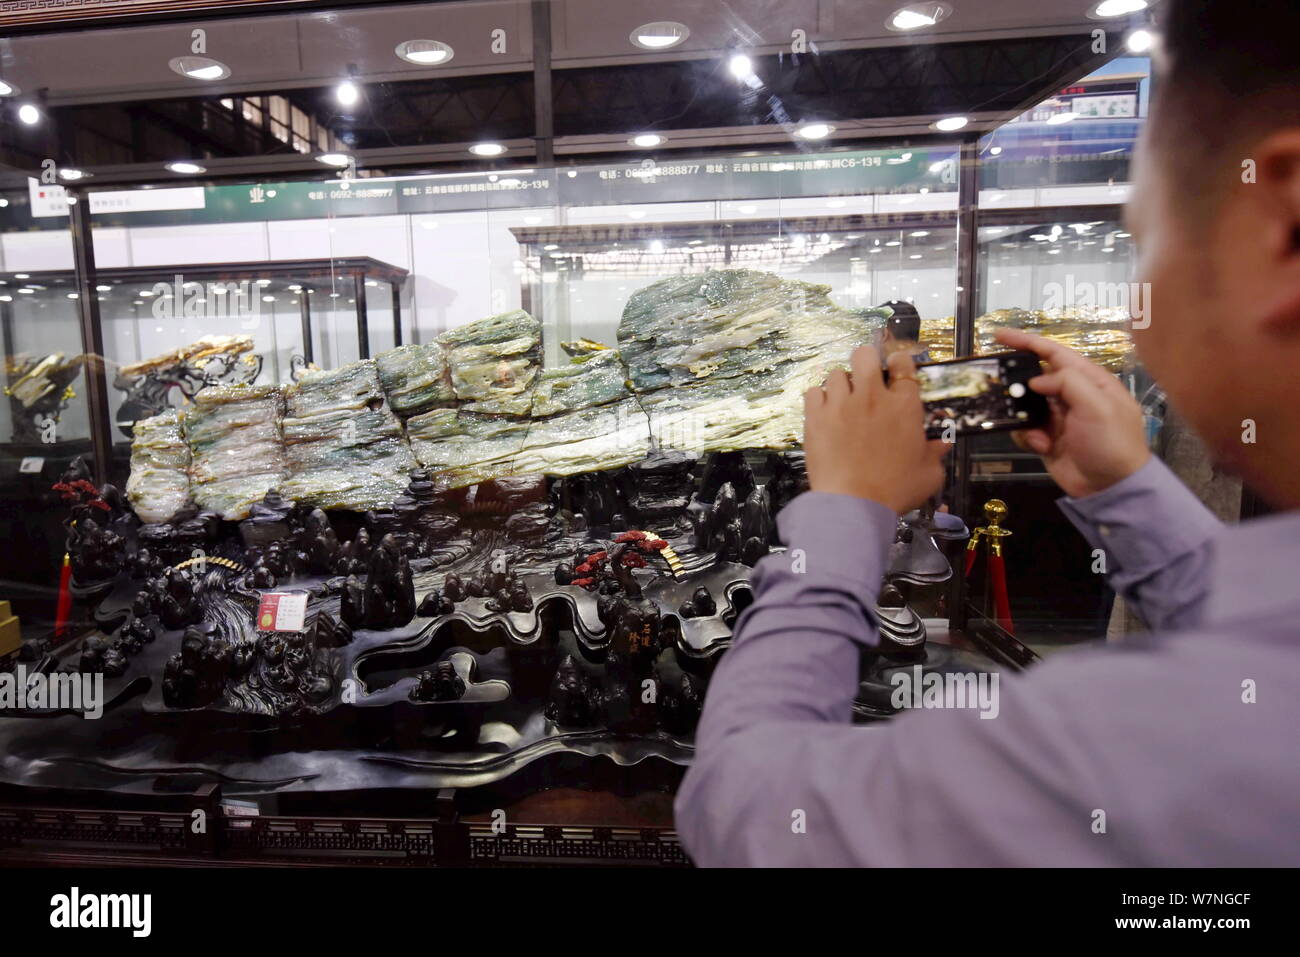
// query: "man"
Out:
[1179,748]
[902,332]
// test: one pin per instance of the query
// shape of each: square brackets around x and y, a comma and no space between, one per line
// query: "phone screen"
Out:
[982,394]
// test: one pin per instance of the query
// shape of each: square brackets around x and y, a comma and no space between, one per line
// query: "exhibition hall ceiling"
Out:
[316,47]
[432,79]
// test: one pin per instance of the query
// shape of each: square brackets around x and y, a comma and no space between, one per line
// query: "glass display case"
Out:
[376,471]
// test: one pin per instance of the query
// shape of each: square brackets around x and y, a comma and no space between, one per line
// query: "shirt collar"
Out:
[1253,570]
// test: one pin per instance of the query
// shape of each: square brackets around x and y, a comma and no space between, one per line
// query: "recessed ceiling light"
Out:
[347,93]
[917,16]
[424,52]
[487,149]
[914,256]
[1116,8]
[1060,118]
[920,233]
[7,89]
[1140,41]
[816,131]
[29,114]
[72,174]
[182,166]
[951,124]
[333,159]
[660,35]
[741,66]
[996,150]
[199,67]
[647,140]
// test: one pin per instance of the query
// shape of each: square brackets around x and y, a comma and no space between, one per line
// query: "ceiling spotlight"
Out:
[816,131]
[199,67]
[996,151]
[741,66]
[424,52]
[659,35]
[950,124]
[917,16]
[7,89]
[1060,118]
[647,140]
[183,166]
[1140,41]
[334,159]
[1116,8]
[347,93]
[487,149]
[72,174]
[29,114]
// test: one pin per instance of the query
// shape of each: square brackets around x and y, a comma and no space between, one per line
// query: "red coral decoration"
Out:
[81,492]
[597,566]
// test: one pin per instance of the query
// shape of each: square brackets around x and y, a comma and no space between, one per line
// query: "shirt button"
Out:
[1105,530]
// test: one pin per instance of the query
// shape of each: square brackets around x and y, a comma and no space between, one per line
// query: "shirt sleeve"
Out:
[792,668]
[1154,537]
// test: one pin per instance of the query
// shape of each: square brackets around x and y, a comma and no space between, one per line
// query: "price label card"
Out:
[31,465]
[282,611]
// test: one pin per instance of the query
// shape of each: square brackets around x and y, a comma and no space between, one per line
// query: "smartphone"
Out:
[981,394]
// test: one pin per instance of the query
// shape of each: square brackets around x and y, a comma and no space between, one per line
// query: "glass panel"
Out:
[44,421]
[1072,149]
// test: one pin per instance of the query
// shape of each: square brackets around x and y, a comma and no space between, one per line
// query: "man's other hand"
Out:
[866,439]
[1095,436]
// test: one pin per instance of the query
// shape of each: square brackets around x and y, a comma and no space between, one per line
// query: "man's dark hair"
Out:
[1228,75]
[905,323]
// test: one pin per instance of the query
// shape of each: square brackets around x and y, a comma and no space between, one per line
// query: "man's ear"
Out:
[1278,185]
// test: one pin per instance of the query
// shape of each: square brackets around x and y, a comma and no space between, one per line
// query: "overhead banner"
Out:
[776,176]
[52,200]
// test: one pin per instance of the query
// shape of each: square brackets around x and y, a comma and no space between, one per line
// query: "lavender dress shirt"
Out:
[1180,747]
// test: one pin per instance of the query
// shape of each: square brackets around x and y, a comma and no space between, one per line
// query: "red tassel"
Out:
[64,609]
[1001,603]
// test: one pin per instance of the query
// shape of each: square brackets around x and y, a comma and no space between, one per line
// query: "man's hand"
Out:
[1095,436]
[866,439]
